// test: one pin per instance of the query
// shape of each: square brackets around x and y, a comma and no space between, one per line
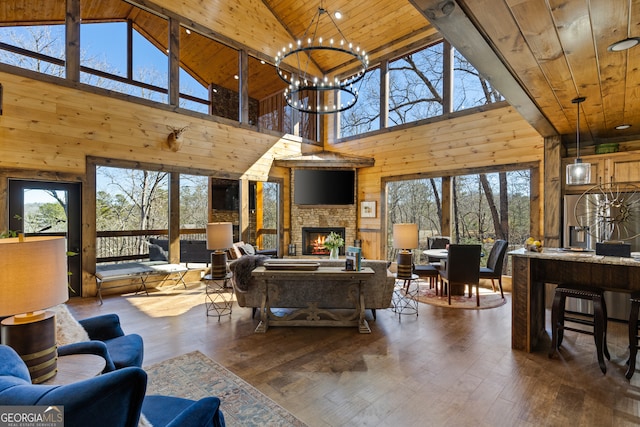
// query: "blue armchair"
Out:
[109,341]
[114,399]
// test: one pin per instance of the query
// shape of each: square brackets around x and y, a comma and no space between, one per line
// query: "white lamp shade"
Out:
[578,173]
[33,274]
[405,236]
[219,235]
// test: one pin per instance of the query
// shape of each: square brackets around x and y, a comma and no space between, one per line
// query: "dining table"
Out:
[436,253]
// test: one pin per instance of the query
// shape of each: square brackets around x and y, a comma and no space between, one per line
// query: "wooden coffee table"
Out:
[77,367]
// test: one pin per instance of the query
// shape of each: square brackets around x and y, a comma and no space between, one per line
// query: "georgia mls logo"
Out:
[31,416]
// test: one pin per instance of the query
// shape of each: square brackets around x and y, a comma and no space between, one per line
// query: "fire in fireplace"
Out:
[313,239]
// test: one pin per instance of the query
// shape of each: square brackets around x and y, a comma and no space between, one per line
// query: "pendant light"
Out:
[578,172]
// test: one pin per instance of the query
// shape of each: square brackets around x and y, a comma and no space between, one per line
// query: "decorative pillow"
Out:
[144,422]
[156,253]
[248,249]
[68,330]
[236,250]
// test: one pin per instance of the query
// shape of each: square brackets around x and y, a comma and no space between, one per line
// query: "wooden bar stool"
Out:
[633,334]
[597,321]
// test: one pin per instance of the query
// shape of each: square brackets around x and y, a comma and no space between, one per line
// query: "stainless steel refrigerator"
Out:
[583,228]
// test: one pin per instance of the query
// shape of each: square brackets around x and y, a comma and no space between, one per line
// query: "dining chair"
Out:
[462,267]
[493,270]
[437,242]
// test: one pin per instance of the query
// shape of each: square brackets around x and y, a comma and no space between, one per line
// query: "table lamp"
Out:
[33,273]
[405,238]
[219,238]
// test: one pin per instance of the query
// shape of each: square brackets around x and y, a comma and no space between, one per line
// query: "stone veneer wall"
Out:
[321,216]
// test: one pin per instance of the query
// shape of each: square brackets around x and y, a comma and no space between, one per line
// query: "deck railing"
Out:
[130,245]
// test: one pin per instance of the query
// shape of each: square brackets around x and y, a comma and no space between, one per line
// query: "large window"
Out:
[416,91]
[484,207]
[415,86]
[365,115]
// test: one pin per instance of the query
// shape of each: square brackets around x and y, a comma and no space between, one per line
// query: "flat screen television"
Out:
[323,187]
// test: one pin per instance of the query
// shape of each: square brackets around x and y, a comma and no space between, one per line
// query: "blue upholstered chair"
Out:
[109,341]
[114,399]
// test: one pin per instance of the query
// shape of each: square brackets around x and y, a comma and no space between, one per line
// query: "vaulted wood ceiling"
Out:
[539,53]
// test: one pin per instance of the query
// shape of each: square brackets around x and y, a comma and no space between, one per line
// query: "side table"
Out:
[405,299]
[218,297]
[76,367]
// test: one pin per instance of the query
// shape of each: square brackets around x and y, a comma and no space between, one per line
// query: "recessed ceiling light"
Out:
[337,14]
[625,44]
[623,127]
[262,62]
[188,31]
[236,76]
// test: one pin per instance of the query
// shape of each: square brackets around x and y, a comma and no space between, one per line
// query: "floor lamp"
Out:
[405,238]
[34,277]
[219,239]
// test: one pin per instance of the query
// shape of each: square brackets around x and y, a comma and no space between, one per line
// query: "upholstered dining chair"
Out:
[493,270]
[437,242]
[462,267]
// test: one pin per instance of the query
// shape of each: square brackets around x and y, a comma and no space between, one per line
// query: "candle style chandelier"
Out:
[320,94]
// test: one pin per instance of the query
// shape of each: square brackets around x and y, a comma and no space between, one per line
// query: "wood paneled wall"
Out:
[50,130]
[465,143]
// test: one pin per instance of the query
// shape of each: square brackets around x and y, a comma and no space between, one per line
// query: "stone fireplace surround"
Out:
[322,217]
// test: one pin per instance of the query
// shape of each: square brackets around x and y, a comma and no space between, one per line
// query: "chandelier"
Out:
[320,94]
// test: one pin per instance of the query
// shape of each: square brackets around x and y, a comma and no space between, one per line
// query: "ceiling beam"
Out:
[457,28]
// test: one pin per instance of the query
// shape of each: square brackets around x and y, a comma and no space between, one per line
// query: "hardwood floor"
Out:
[446,367]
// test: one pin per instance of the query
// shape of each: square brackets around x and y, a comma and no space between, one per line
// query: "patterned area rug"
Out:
[488,299]
[194,376]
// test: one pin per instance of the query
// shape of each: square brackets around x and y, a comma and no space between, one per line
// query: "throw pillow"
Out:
[144,422]
[249,249]
[68,329]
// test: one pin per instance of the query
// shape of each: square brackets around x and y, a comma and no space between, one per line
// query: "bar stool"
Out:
[633,334]
[598,320]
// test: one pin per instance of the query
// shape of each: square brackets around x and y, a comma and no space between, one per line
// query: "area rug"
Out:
[194,376]
[488,299]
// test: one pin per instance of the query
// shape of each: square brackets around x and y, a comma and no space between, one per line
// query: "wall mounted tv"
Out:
[323,187]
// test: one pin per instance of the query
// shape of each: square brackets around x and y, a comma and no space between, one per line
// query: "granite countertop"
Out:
[569,255]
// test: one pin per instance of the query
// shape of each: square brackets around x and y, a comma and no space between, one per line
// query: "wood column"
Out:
[552,207]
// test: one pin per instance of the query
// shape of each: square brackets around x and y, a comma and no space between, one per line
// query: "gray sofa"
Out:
[377,290]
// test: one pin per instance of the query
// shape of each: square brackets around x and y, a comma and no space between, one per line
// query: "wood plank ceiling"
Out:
[557,50]
[539,53]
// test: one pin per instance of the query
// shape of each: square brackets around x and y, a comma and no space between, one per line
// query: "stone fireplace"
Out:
[313,239]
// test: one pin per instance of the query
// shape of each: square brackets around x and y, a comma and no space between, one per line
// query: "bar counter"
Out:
[531,270]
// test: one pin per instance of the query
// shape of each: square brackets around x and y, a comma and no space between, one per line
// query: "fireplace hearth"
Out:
[313,239]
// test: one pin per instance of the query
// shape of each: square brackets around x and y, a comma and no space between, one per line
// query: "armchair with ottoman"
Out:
[114,399]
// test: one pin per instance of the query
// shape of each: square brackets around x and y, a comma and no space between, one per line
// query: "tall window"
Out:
[470,88]
[365,115]
[415,86]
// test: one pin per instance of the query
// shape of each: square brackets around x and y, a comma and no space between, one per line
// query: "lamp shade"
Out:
[33,274]
[219,235]
[405,236]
